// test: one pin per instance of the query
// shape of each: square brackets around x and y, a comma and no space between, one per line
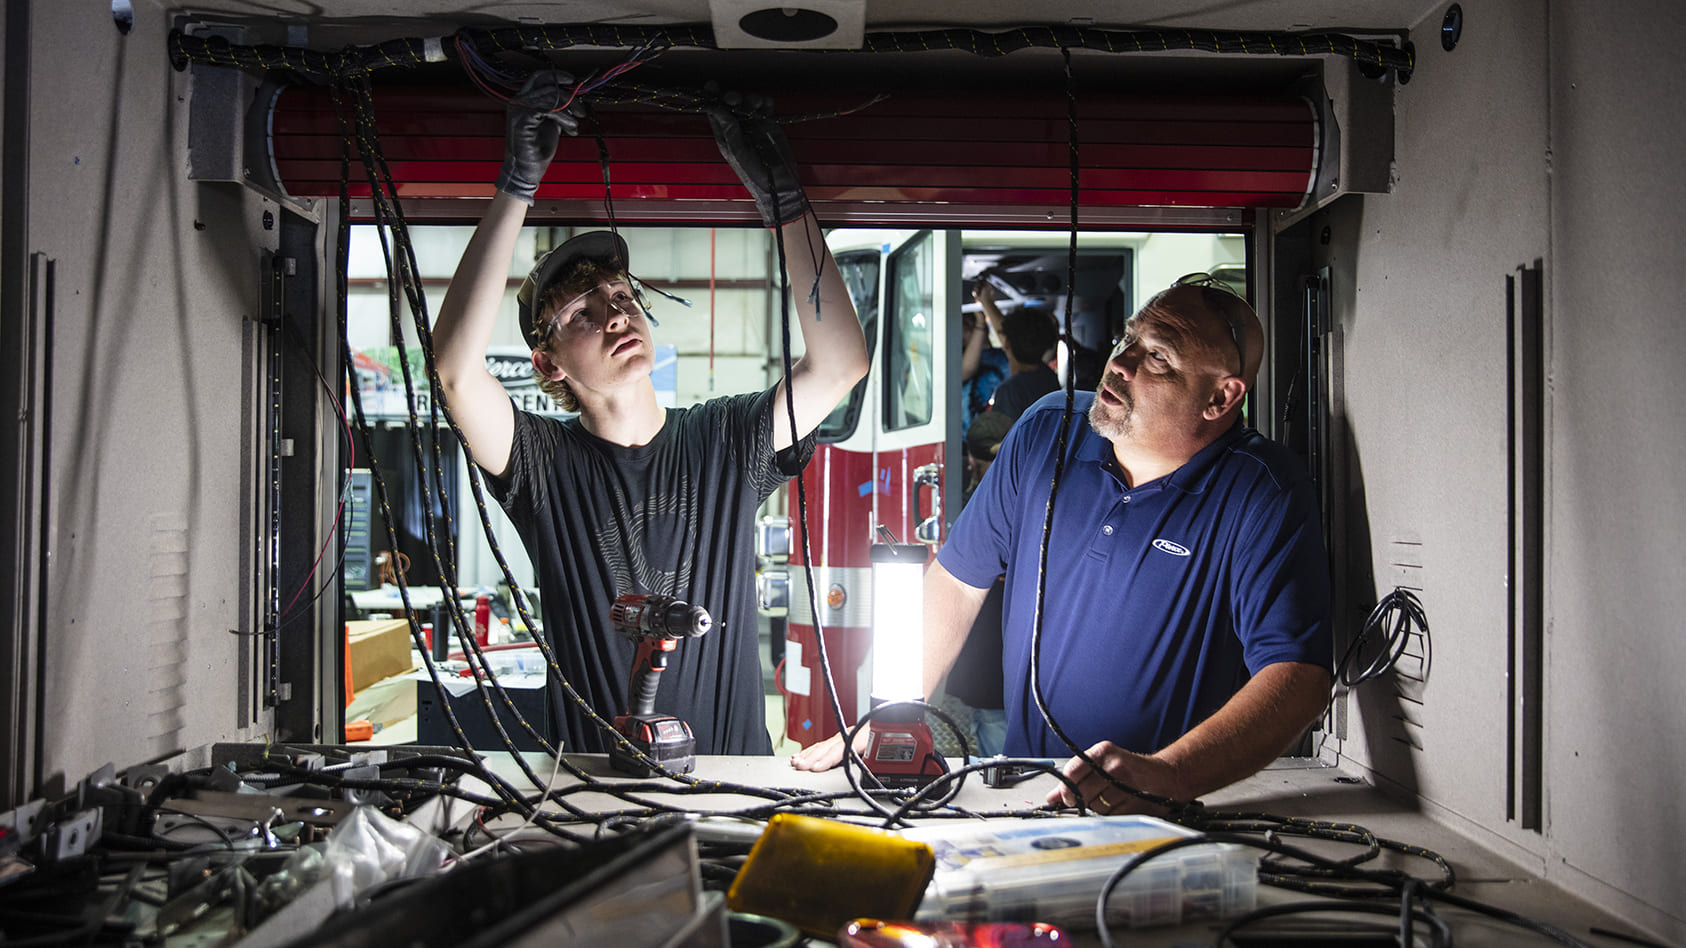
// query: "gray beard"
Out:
[1111,424]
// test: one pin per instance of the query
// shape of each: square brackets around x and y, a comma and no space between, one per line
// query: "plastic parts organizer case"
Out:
[1052,871]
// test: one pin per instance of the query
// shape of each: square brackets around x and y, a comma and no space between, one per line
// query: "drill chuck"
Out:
[636,615]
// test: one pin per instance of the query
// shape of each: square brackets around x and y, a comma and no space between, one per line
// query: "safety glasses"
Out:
[1223,303]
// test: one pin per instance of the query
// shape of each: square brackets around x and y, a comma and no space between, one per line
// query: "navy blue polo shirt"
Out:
[1162,599]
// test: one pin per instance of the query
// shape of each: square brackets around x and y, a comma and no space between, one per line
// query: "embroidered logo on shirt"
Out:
[1175,549]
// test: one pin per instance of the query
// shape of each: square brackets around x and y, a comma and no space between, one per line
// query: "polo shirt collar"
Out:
[1196,474]
[1192,478]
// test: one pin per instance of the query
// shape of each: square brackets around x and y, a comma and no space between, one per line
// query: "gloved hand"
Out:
[532,130]
[755,147]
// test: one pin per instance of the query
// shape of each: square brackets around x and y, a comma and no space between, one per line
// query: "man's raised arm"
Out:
[834,356]
[463,329]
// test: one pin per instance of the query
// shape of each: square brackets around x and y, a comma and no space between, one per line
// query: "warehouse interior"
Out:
[1491,232]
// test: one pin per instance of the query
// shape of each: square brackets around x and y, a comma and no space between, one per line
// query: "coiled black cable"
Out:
[1395,619]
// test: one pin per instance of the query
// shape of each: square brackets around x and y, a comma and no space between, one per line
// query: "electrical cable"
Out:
[344,70]
[343,91]
[892,818]
[389,218]
[1174,807]
[528,821]
[386,207]
[223,835]
[1309,43]
[322,66]
[291,334]
[1390,882]
[1623,936]
[370,147]
[1401,613]
[1404,931]
[386,210]
[820,648]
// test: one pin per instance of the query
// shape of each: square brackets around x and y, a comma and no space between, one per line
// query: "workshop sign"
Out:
[381,381]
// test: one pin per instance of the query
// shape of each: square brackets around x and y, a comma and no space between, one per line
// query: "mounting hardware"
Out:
[1451,27]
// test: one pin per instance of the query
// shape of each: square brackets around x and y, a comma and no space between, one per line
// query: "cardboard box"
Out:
[376,649]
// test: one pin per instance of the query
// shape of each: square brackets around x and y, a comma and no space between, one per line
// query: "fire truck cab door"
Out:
[886,468]
[917,426]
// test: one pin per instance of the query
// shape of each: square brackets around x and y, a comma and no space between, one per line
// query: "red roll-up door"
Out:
[990,157]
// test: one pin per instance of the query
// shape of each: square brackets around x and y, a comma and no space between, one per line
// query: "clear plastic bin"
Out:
[1052,871]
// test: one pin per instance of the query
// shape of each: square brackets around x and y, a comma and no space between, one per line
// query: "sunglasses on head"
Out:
[1232,319]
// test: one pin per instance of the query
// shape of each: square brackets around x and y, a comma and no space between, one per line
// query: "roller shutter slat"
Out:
[977,153]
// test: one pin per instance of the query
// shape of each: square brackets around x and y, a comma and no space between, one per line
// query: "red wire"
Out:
[592,82]
[467,61]
[351,461]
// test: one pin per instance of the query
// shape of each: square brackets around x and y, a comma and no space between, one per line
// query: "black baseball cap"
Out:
[983,439]
[603,246]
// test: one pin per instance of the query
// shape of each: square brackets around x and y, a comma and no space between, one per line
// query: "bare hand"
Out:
[983,291]
[827,753]
[1141,771]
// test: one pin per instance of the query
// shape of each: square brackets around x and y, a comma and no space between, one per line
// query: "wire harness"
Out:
[347,72]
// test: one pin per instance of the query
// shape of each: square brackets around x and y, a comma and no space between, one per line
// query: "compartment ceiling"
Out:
[376,19]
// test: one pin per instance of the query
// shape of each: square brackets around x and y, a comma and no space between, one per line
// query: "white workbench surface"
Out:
[1289,788]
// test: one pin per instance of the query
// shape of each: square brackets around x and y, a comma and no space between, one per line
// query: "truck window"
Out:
[860,274]
[909,343]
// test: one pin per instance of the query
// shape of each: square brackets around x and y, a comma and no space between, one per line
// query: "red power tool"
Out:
[656,623]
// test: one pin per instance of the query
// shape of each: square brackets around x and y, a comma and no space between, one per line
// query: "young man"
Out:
[629,497]
[1185,636]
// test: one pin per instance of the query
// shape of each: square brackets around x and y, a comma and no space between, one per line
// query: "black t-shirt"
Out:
[1021,390]
[675,517]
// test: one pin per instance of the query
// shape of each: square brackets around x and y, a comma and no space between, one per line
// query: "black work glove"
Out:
[532,130]
[755,147]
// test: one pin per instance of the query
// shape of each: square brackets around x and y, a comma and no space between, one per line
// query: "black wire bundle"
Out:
[325,67]
[1412,899]
[353,96]
[1293,868]
[983,43]
[347,71]
[1395,619]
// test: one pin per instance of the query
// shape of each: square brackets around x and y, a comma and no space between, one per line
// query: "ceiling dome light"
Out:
[788,25]
[807,24]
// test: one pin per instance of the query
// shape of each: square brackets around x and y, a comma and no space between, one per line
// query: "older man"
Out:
[1184,639]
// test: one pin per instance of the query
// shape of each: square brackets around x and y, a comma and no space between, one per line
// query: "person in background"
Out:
[1029,335]
[983,367]
[975,680]
[1183,639]
[628,497]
